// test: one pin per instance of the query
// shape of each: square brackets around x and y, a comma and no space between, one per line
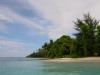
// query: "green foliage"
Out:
[97,45]
[86,35]
[86,43]
[56,49]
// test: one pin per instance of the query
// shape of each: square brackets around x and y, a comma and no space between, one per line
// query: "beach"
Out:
[86,59]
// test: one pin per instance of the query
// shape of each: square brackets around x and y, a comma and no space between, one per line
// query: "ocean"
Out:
[35,66]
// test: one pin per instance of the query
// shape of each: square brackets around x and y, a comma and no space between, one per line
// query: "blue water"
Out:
[34,66]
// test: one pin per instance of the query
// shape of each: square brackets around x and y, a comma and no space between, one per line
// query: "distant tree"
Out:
[60,47]
[86,35]
[86,43]
[98,41]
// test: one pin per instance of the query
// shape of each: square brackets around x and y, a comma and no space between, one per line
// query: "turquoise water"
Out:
[33,66]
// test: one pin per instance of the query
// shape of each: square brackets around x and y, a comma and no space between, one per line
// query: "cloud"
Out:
[0,48]
[4,17]
[14,48]
[61,13]
[45,18]
[14,18]
[8,44]
[3,28]
[53,17]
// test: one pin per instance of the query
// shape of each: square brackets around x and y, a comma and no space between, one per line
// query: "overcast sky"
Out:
[26,24]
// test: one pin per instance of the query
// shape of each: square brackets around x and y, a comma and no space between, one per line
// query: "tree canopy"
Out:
[86,43]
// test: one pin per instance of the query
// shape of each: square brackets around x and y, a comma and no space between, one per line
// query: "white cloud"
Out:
[62,12]
[0,48]
[57,20]
[13,44]
[4,17]
[9,15]
[13,47]
[3,28]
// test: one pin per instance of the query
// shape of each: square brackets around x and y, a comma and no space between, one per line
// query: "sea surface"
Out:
[35,66]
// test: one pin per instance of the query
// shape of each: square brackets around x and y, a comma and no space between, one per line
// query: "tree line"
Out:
[86,43]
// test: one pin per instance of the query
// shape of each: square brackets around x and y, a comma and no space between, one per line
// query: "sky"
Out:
[26,24]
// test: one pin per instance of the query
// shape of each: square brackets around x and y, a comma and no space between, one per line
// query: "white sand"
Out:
[87,59]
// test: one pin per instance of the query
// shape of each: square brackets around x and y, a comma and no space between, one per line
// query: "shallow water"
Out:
[34,66]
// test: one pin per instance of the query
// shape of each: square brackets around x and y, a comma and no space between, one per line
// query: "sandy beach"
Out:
[87,59]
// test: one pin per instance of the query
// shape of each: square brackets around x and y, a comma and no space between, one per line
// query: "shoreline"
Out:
[86,59]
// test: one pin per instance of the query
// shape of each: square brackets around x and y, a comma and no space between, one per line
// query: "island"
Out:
[85,44]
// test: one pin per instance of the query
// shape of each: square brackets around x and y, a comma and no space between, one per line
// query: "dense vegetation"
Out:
[86,43]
